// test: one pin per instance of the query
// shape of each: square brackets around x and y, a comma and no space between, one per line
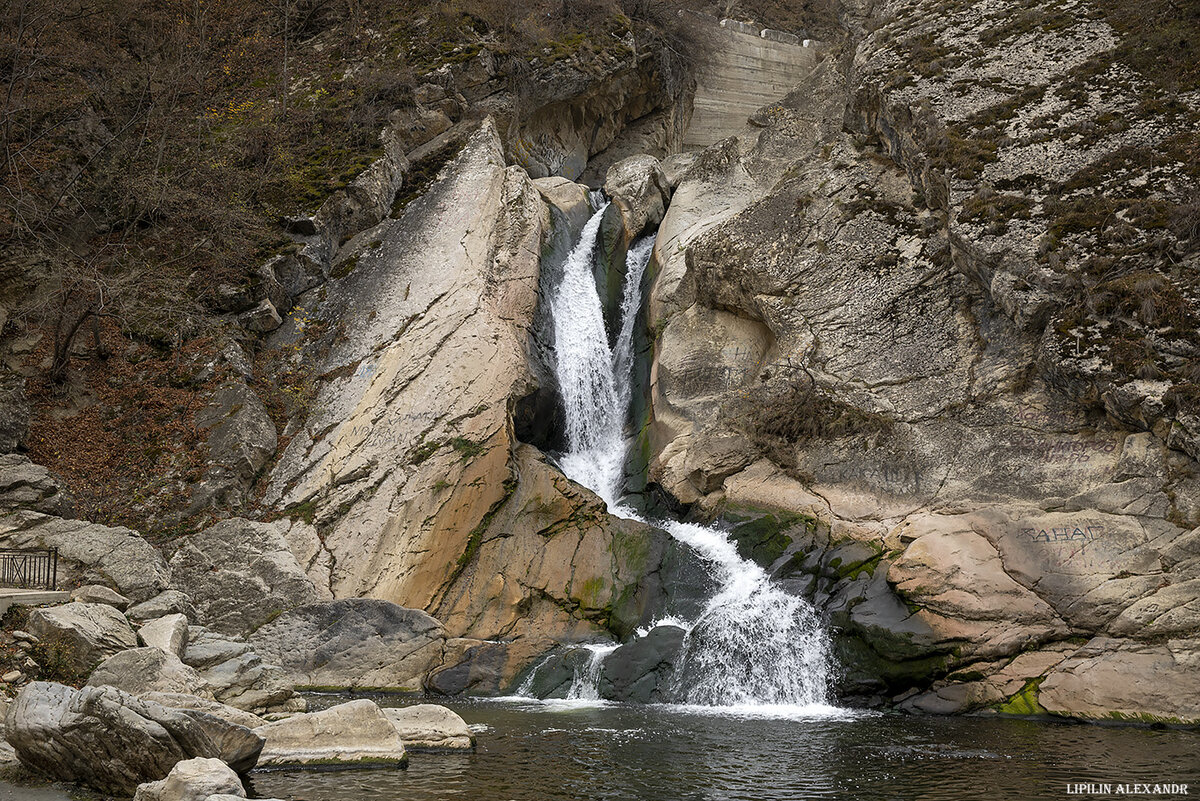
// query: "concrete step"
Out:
[10,596]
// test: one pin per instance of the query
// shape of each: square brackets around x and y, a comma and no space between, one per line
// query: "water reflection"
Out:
[547,752]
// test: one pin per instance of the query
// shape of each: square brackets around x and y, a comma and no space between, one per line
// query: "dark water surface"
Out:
[546,752]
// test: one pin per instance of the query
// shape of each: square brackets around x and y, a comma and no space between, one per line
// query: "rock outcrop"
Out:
[879,362]
[353,733]
[112,741]
[87,632]
[139,671]
[430,727]
[240,574]
[355,642]
[90,553]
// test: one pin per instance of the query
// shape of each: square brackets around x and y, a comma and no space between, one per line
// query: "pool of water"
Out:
[559,750]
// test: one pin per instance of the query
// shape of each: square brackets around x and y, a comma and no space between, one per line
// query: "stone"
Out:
[241,440]
[353,733]
[146,670]
[262,318]
[675,167]
[89,553]
[168,633]
[240,574]
[429,726]
[25,485]
[12,676]
[89,632]
[168,602]
[568,198]
[353,642]
[1113,679]
[640,671]
[99,594]
[641,190]
[225,712]
[482,667]
[112,741]
[14,412]
[247,682]
[196,779]
[206,648]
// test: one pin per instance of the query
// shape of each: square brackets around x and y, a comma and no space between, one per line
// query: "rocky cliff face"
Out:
[895,310]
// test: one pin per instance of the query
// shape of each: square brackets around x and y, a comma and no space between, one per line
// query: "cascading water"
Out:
[753,644]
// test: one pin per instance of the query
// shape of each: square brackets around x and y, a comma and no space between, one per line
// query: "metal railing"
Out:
[29,569]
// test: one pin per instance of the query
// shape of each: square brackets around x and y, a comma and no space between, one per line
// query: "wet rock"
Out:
[112,741]
[99,594]
[168,633]
[353,733]
[641,671]
[354,642]
[146,670]
[240,574]
[89,553]
[480,667]
[196,779]
[88,632]
[168,602]
[429,726]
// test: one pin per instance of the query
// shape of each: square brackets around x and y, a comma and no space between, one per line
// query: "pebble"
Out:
[24,636]
[12,675]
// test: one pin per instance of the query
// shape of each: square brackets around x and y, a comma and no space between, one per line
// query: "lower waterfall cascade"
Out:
[753,644]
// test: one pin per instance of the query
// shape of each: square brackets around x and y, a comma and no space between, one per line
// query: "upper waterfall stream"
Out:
[753,644]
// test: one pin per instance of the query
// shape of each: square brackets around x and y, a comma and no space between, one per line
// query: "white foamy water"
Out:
[754,646]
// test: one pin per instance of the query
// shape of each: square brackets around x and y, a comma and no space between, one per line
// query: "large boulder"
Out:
[206,648]
[146,670]
[87,632]
[225,712]
[247,682]
[354,642]
[168,633]
[641,670]
[640,189]
[112,741]
[89,553]
[167,602]
[356,732]
[429,726]
[195,779]
[240,574]
[241,439]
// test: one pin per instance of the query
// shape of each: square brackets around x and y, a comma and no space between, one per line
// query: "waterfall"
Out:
[585,684]
[753,644]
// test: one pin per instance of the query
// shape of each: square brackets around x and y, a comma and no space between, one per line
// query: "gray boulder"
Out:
[89,553]
[112,741]
[429,726]
[354,642]
[145,670]
[168,633]
[355,732]
[167,602]
[241,574]
[223,711]
[207,648]
[196,779]
[241,440]
[99,594]
[641,670]
[88,632]
[638,186]
[25,485]
[246,682]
